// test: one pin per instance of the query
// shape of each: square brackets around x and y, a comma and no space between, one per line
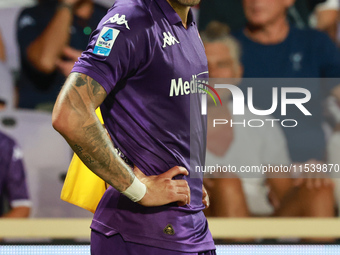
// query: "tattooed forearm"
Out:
[95,139]
[99,156]
[89,139]
[79,151]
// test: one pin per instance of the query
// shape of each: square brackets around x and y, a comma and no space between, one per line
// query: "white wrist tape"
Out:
[136,191]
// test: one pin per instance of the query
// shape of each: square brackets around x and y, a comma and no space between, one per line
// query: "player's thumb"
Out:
[177,170]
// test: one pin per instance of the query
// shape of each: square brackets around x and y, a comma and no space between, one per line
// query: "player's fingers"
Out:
[204,192]
[181,183]
[182,200]
[205,198]
[175,171]
[183,190]
[182,187]
[206,203]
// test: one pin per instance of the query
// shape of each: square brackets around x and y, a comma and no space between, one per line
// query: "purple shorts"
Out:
[112,245]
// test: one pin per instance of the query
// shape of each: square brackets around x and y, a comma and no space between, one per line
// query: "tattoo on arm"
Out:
[79,150]
[96,87]
[80,81]
[93,146]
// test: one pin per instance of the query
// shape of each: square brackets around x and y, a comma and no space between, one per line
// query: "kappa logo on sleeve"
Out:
[119,20]
[105,41]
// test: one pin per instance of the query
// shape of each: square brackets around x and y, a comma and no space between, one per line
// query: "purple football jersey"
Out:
[148,63]
[13,186]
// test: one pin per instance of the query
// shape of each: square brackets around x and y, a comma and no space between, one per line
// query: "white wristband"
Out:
[136,191]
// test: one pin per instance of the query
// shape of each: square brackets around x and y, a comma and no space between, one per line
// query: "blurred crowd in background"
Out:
[244,40]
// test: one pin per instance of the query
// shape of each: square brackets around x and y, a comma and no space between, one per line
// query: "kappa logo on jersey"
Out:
[169,39]
[118,20]
[105,41]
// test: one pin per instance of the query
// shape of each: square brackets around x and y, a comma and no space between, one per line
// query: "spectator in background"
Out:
[229,12]
[247,195]
[51,37]
[6,88]
[321,14]
[14,200]
[325,17]
[7,95]
[274,49]
[13,188]
[301,12]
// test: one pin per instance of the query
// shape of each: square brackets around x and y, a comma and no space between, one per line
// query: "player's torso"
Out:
[148,118]
[162,94]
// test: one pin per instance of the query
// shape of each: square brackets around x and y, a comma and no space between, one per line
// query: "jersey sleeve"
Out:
[117,49]
[16,187]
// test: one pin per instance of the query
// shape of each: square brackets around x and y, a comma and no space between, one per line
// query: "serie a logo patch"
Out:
[105,41]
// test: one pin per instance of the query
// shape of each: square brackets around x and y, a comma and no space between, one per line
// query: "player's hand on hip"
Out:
[162,189]
[205,197]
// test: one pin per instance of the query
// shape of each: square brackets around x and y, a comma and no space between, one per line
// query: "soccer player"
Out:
[139,67]
[13,187]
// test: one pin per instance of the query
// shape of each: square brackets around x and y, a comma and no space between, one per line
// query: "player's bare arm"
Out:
[74,118]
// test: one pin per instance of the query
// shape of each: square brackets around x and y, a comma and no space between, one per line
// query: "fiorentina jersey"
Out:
[13,188]
[149,64]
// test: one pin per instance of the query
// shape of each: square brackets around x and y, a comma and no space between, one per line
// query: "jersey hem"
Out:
[146,240]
